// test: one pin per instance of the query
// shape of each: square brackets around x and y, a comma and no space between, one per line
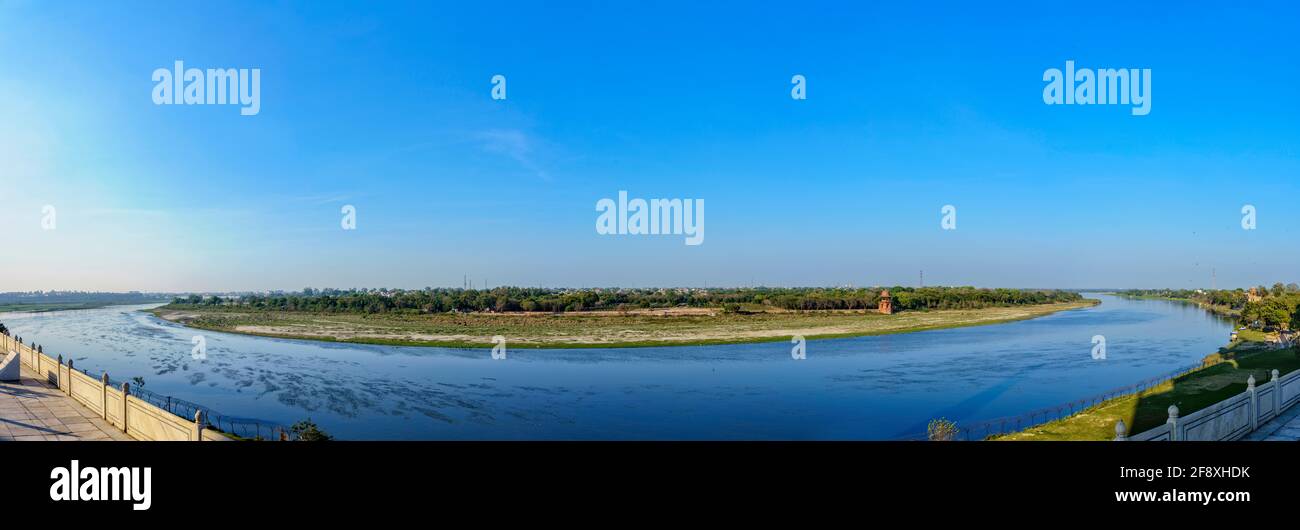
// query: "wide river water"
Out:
[879,387]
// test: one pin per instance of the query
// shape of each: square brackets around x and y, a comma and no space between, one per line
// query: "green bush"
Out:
[307,431]
[941,430]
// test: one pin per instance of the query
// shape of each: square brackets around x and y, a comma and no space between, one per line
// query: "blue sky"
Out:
[387,108]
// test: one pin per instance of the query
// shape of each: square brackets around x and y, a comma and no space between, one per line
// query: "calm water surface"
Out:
[857,388]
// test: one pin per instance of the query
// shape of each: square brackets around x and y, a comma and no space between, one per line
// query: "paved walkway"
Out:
[1284,428]
[32,410]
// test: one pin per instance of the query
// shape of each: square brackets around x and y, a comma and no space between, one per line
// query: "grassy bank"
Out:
[593,329]
[1224,376]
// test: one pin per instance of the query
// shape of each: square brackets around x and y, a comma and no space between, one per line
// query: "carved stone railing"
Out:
[137,418]
[1230,419]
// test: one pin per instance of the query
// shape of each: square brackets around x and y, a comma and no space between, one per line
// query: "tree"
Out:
[1270,312]
[1276,317]
[307,431]
[941,430]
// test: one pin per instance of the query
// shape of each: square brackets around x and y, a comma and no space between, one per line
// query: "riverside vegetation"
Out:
[42,301]
[1273,307]
[1266,318]
[539,318]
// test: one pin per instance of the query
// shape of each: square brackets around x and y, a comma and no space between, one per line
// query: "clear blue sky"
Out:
[387,108]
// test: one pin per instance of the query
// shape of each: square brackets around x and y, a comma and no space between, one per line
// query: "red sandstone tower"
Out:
[886,303]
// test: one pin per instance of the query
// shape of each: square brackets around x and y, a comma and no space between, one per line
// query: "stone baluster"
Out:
[1173,423]
[1277,393]
[126,392]
[198,426]
[103,400]
[1254,402]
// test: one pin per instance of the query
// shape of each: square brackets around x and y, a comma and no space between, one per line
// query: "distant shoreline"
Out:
[603,329]
[69,306]
[1219,310]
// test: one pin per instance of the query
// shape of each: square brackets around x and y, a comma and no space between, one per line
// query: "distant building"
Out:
[1253,295]
[886,303]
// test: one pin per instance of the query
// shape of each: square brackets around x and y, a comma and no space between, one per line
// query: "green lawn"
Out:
[1190,392]
[1251,335]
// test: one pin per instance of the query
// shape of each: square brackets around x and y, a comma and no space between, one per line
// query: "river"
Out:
[880,387]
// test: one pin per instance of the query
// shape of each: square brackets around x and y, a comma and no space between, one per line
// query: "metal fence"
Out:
[249,428]
[982,430]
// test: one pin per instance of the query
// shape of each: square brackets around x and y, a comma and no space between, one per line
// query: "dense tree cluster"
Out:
[1273,312]
[441,300]
[1276,307]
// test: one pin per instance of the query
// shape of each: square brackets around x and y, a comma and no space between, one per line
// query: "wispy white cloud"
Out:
[321,198]
[515,144]
[123,212]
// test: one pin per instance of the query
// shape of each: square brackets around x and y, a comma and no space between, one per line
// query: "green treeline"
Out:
[442,300]
[1275,308]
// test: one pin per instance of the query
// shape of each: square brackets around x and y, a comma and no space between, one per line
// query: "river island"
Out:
[608,318]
